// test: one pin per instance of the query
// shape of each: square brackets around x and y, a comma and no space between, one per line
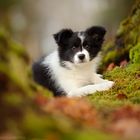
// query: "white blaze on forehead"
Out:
[81,36]
[86,59]
[83,51]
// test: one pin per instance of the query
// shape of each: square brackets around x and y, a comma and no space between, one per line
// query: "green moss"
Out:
[135,54]
[121,29]
[32,126]
[13,99]
[126,83]
[14,62]
[126,38]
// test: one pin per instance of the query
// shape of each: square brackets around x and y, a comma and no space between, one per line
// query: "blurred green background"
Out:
[32,22]
[27,111]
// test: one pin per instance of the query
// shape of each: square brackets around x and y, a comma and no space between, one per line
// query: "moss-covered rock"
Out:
[126,38]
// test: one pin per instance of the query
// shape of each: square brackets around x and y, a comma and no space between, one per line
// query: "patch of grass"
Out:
[125,91]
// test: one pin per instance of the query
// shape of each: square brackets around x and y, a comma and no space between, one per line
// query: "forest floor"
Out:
[112,114]
[27,111]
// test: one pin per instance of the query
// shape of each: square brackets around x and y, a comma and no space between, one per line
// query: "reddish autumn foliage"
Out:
[123,63]
[126,121]
[127,112]
[75,108]
[111,66]
[40,100]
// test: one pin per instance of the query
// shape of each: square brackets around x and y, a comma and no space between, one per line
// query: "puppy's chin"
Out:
[79,62]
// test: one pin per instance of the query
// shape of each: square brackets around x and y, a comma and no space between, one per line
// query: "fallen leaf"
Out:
[111,66]
[121,96]
[123,63]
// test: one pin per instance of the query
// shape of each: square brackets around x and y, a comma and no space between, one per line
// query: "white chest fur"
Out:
[73,77]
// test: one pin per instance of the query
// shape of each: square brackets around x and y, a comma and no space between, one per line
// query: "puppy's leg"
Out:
[99,75]
[89,89]
[97,78]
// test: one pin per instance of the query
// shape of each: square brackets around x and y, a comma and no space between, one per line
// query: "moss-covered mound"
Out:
[126,89]
[27,111]
[127,37]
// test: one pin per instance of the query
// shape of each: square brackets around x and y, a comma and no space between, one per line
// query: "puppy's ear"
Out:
[63,36]
[96,32]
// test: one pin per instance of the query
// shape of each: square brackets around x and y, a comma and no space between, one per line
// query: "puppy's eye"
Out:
[73,48]
[86,47]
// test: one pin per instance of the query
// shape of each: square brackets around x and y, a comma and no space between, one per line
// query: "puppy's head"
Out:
[79,47]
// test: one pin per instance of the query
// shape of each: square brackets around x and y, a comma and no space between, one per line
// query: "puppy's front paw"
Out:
[101,76]
[110,83]
[107,85]
[74,94]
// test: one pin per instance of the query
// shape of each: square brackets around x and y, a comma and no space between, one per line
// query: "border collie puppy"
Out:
[71,69]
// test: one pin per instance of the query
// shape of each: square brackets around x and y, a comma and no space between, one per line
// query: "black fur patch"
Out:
[42,76]
[67,39]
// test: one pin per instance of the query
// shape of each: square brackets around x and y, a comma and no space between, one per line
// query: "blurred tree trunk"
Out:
[127,38]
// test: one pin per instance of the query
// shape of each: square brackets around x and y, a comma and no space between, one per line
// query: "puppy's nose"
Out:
[81,56]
